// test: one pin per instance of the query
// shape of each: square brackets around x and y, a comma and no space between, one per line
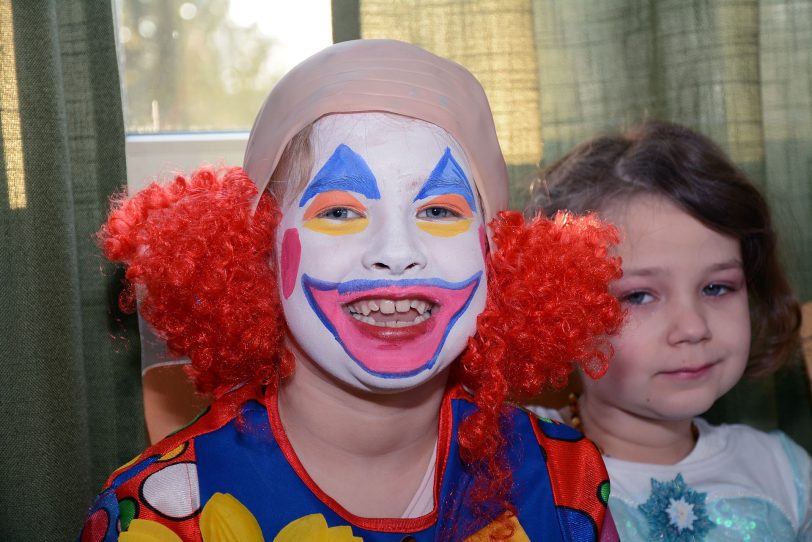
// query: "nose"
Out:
[689,323]
[394,249]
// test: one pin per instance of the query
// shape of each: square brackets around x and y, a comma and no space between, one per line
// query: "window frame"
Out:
[157,157]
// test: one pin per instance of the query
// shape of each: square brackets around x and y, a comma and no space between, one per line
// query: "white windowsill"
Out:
[155,157]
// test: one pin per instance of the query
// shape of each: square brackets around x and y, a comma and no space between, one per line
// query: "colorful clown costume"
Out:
[227,477]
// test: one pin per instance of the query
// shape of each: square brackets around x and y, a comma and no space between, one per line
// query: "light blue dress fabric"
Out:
[738,484]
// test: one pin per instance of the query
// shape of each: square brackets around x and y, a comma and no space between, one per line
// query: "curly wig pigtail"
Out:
[202,263]
[548,311]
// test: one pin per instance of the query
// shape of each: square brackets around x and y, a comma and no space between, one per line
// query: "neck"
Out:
[342,435]
[315,406]
[624,435]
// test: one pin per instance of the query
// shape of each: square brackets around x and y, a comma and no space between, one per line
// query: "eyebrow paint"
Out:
[345,170]
[447,178]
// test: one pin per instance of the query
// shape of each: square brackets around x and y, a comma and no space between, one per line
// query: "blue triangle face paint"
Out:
[345,170]
[447,178]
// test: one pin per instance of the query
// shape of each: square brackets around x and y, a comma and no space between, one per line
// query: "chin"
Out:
[386,387]
[376,384]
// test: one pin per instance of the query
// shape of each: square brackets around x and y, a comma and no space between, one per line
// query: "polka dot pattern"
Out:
[173,491]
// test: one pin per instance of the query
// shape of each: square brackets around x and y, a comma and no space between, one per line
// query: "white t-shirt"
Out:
[737,483]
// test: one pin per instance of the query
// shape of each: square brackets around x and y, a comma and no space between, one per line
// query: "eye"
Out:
[637,298]
[339,213]
[437,213]
[716,290]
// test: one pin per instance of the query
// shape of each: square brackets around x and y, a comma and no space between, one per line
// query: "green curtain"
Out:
[70,402]
[739,71]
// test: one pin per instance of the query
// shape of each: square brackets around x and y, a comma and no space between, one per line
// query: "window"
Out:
[195,72]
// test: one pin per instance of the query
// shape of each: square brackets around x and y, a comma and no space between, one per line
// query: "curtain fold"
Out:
[739,71]
[69,377]
[494,39]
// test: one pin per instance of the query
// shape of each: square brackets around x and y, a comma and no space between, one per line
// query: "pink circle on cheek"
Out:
[483,242]
[291,255]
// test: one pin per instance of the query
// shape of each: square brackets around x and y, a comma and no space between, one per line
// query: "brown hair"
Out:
[692,172]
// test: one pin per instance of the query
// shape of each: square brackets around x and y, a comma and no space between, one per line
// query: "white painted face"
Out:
[382,254]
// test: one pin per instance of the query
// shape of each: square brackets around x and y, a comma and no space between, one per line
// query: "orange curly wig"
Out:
[548,311]
[202,264]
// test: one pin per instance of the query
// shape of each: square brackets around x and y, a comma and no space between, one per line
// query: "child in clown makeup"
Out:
[375,265]
[699,261]
[411,262]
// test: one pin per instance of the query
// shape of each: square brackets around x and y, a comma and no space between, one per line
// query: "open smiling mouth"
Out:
[391,328]
[391,312]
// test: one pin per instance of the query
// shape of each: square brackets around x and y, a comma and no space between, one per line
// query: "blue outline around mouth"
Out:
[363,285]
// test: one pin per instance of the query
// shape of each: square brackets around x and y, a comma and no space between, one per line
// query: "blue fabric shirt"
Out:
[559,487]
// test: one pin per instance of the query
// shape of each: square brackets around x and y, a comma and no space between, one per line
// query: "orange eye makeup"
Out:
[452,202]
[350,216]
[448,226]
[334,198]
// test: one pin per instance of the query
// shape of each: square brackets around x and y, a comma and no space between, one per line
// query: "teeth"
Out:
[387,306]
[361,310]
[391,323]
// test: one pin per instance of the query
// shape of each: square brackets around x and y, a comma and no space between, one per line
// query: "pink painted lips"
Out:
[391,328]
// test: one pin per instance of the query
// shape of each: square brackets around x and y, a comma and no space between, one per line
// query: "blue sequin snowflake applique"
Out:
[675,512]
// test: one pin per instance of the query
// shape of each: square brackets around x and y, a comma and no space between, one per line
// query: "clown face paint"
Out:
[381,255]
